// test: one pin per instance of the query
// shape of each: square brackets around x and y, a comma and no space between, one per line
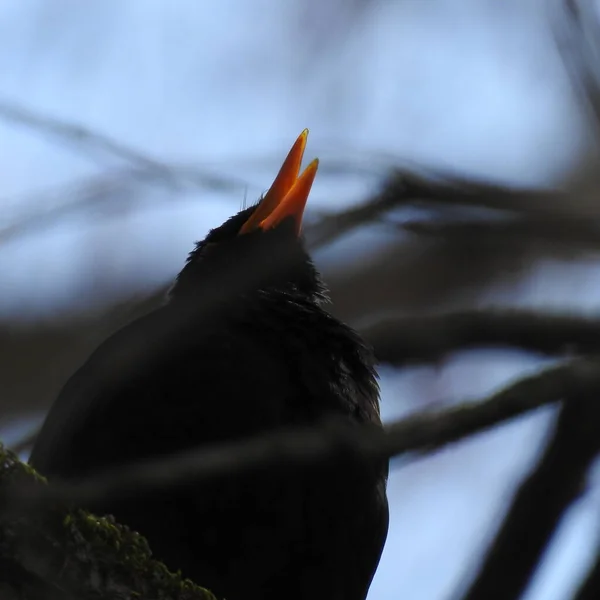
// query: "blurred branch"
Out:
[402,188]
[330,441]
[424,338]
[545,213]
[453,189]
[84,138]
[590,587]
[404,277]
[55,554]
[142,165]
[116,189]
[111,192]
[576,27]
[542,499]
[577,234]
[443,268]
[330,226]
[401,279]
[421,338]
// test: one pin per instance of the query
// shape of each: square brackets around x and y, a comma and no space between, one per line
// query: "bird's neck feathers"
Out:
[289,310]
[248,267]
[300,325]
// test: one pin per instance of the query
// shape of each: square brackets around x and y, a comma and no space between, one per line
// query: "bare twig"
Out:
[454,189]
[546,210]
[333,225]
[84,138]
[542,500]
[422,338]
[572,235]
[576,28]
[115,191]
[413,339]
[590,587]
[333,441]
[401,189]
[142,166]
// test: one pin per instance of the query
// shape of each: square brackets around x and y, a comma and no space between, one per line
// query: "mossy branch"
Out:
[56,553]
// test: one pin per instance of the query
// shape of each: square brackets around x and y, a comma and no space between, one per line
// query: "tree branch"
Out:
[333,225]
[590,587]
[142,166]
[548,213]
[570,235]
[56,554]
[542,500]
[423,338]
[83,137]
[576,26]
[331,441]
[453,189]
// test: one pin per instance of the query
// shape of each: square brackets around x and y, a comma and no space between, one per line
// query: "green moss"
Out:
[109,541]
[103,556]
[11,467]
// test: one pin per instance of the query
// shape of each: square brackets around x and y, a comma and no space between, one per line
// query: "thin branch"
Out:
[83,137]
[330,441]
[118,190]
[424,338]
[403,187]
[427,338]
[542,500]
[546,209]
[114,191]
[454,189]
[574,210]
[333,225]
[576,28]
[590,587]
[142,165]
[575,233]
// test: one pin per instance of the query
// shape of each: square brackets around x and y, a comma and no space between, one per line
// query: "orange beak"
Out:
[288,195]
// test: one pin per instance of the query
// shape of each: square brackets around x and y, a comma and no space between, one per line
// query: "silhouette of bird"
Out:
[197,372]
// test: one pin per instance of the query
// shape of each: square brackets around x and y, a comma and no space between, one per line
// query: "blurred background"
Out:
[128,128]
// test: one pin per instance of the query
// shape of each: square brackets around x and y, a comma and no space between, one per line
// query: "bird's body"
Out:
[268,356]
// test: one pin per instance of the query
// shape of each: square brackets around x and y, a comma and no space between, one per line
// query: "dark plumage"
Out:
[267,356]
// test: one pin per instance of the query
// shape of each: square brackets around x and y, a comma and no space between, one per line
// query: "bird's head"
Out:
[262,244]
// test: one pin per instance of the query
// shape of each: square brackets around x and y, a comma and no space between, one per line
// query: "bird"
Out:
[243,345]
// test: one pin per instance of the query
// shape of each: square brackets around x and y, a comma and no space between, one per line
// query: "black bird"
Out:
[197,372]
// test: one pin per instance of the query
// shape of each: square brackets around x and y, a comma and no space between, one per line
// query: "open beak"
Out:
[288,195]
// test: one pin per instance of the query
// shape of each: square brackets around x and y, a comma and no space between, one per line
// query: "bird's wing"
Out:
[88,388]
[155,384]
